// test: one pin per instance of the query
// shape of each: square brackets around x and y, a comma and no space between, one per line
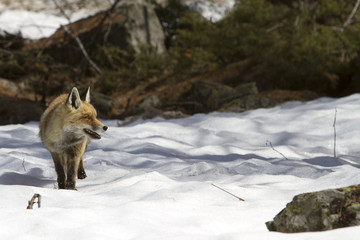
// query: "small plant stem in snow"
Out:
[32,201]
[23,164]
[228,192]
[270,144]
[334,125]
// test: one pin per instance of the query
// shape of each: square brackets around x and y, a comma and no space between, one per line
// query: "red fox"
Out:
[66,128]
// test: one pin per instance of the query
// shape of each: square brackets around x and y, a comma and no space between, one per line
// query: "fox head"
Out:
[81,117]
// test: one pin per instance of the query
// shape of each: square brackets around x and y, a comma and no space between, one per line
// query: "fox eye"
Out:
[88,118]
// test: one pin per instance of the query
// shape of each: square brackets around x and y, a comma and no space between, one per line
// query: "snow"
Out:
[213,10]
[32,25]
[35,19]
[38,24]
[153,179]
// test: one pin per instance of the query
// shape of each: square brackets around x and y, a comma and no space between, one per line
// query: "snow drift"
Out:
[153,179]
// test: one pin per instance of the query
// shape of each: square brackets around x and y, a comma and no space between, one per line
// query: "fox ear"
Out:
[74,100]
[87,96]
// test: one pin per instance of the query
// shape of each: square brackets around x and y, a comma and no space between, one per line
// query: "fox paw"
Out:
[81,175]
[70,185]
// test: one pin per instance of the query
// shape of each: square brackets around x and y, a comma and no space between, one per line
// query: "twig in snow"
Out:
[228,192]
[32,201]
[334,125]
[23,164]
[270,144]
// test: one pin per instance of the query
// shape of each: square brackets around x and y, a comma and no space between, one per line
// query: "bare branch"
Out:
[297,21]
[77,39]
[62,11]
[352,14]
[108,30]
[108,12]
[276,26]
[82,48]
[339,29]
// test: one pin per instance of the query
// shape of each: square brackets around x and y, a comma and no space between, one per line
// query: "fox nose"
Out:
[105,128]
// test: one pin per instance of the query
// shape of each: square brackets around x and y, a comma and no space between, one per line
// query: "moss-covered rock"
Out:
[319,211]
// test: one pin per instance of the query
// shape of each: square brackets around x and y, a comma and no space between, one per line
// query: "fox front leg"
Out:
[60,170]
[81,171]
[75,164]
[72,171]
[74,155]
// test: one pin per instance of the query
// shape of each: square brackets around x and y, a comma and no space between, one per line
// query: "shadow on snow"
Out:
[32,178]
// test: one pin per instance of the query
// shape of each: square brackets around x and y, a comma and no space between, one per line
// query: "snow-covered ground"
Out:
[36,19]
[153,179]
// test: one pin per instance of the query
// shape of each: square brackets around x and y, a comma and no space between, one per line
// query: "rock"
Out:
[151,102]
[147,107]
[213,96]
[143,26]
[9,87]
[14,111]
[210,95]
[173,114]
[319,211]
[150,108]
[131,25]
[246,103]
